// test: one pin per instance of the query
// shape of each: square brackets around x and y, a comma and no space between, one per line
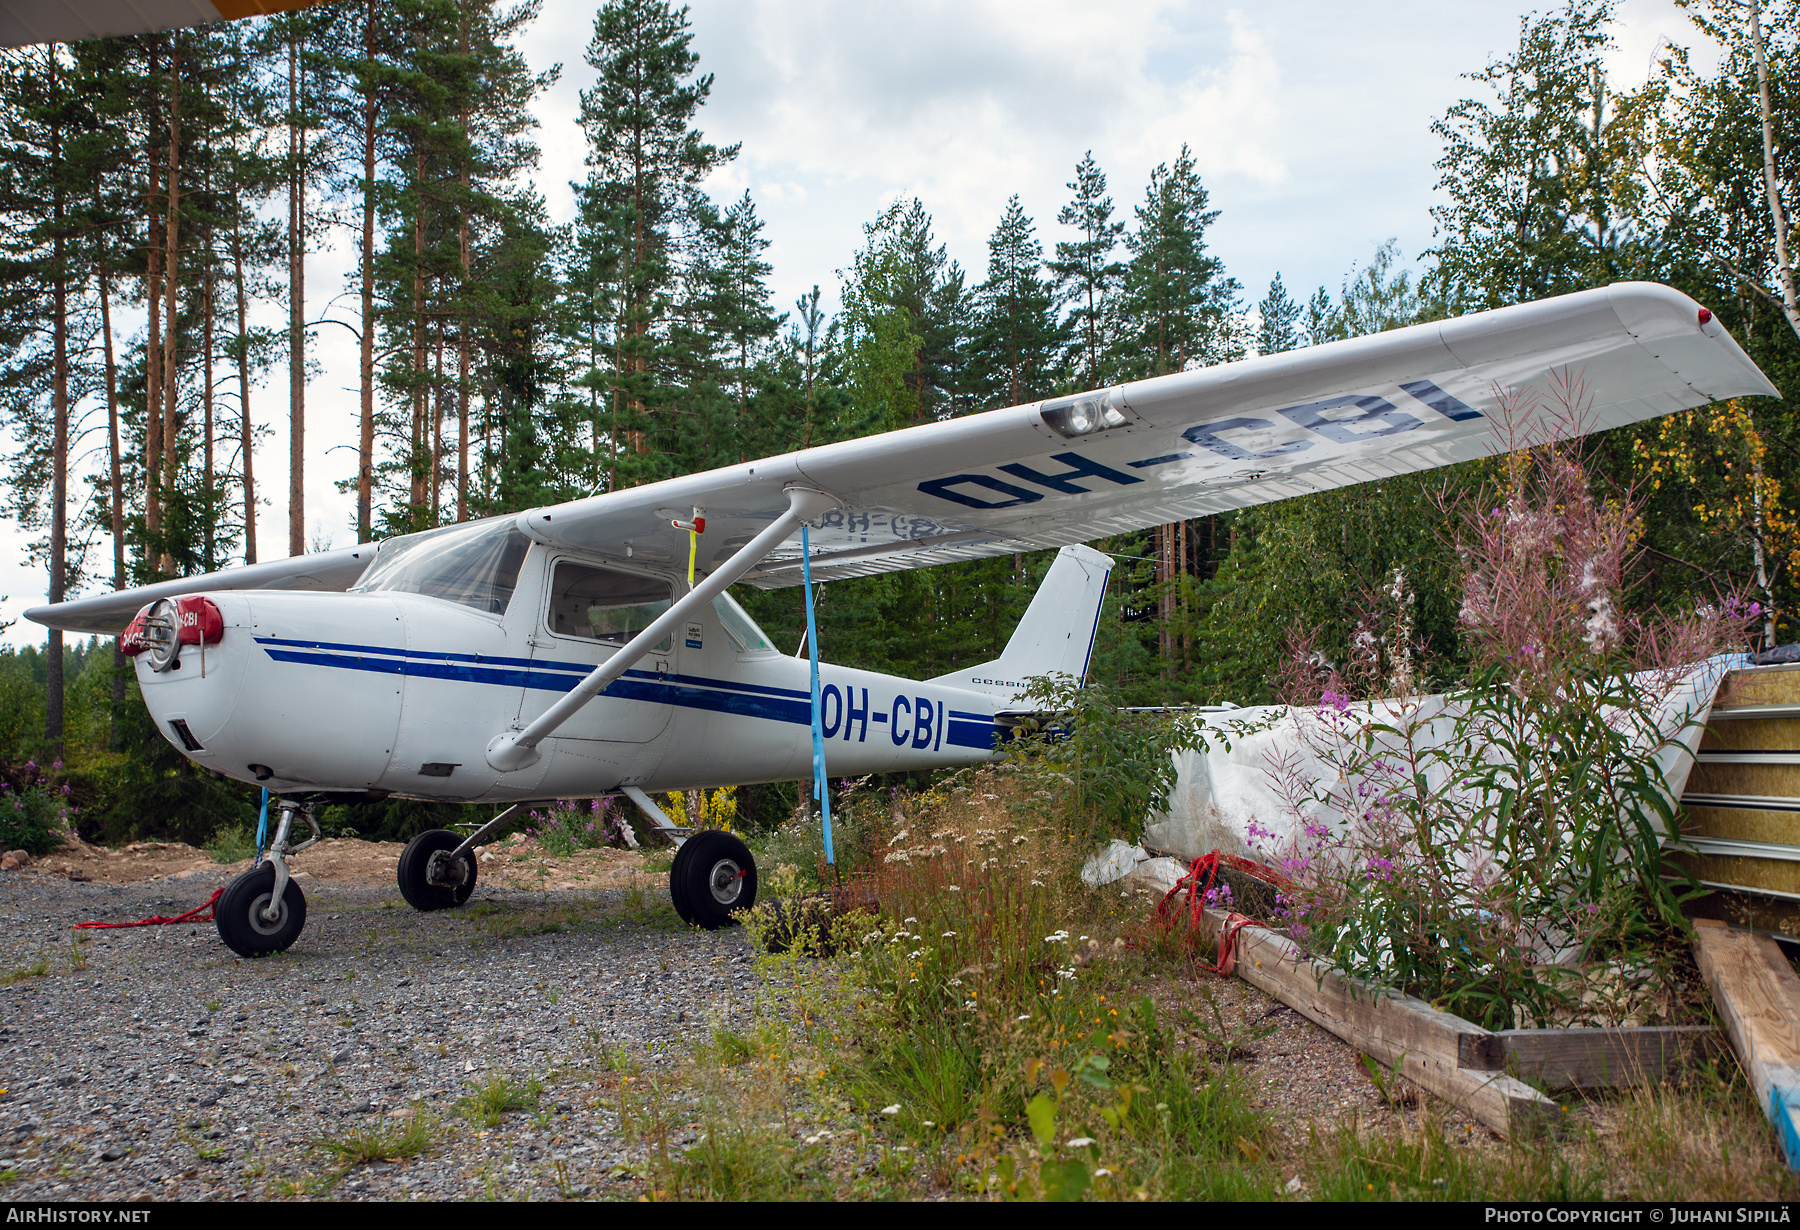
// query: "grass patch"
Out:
[988,1035]
[382,1140]
[37,967]
[488,1104]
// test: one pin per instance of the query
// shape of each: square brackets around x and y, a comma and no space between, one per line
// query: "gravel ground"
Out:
[154,1064]
[1301,1076]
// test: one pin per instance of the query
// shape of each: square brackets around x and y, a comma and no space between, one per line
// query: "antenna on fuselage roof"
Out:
[806,633]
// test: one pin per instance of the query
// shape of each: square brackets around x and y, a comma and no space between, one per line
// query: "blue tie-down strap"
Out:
[262,828]
[1784,1113]
[820,790]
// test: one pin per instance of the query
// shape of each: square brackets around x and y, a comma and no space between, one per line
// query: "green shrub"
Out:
[1116,763]
[35,817]
[232,844]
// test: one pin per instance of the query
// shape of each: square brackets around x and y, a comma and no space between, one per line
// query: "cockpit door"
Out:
[586,614]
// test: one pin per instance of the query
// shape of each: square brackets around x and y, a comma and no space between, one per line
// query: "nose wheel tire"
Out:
[712,877]
[440,883]
[239,914]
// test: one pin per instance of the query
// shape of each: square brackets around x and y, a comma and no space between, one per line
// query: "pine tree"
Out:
[1279,316]
[1180,304]
[456,303]
[1086,275]
[906,321]
[44,328]
[1018,335]
[643,217]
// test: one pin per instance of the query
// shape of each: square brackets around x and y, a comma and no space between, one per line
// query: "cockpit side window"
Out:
[744,634]
[474,565]
[599,604]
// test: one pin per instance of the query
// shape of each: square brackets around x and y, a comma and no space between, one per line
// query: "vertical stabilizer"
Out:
[1055,637]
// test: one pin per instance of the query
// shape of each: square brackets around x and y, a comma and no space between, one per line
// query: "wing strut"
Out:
[515,749]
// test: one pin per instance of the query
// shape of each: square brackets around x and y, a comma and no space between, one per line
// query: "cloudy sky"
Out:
[1310,122]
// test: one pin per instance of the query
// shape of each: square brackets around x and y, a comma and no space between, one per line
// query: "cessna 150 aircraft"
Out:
[565,652]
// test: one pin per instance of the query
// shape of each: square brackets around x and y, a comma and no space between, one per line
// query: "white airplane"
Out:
[563,652]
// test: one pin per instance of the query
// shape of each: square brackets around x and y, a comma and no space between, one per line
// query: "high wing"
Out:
[107,614]
[23,22]
[1189,444]
[1185,445]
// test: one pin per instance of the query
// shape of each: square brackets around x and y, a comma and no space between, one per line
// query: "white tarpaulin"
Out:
[1229,797]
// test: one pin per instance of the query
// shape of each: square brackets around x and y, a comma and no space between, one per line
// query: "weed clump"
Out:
[991,1025]
[231,845]
[36,817]
[1500,849]
[488,1104]
[381,1140]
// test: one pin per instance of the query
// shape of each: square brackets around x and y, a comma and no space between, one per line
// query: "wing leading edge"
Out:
[1186,445]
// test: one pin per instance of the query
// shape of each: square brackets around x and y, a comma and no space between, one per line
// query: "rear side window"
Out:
[598,604]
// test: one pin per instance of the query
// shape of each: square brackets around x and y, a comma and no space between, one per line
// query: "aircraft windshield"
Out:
[475,565]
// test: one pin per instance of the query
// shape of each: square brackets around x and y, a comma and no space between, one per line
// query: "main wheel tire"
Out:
[415,860]
[678,895]
[238,914]
[713,876]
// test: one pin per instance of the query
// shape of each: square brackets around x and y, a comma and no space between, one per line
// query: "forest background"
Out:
[157,191]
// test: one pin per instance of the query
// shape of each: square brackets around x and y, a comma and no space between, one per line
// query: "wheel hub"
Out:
[267,926]
[726,881]
[443,872]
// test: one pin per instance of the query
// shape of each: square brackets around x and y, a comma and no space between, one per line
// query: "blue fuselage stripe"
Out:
[685,691]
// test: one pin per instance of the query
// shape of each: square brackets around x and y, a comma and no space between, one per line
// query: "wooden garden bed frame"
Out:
[1493,1076]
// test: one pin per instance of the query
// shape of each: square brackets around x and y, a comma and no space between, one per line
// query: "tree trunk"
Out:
[1784,270]
[420,395]
[462,316]
[153,334]
[116,475]
[436,402]
[59,479]
[171,376]
[462,373]
[296,314]
[206,393]
[249,434]
[365,467]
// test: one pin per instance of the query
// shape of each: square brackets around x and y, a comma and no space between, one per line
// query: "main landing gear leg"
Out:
[263,910]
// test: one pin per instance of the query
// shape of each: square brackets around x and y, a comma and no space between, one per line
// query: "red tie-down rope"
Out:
[157,920]
[1198,882]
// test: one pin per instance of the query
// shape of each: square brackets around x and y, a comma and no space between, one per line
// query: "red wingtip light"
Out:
[1704,316]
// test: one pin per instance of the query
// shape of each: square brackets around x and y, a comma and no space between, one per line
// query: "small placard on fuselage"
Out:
[694,635]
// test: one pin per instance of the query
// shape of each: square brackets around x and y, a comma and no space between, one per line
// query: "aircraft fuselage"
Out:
[399,693]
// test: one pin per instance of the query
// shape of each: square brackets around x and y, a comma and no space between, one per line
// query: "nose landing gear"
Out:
[263,911]
[242,914]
